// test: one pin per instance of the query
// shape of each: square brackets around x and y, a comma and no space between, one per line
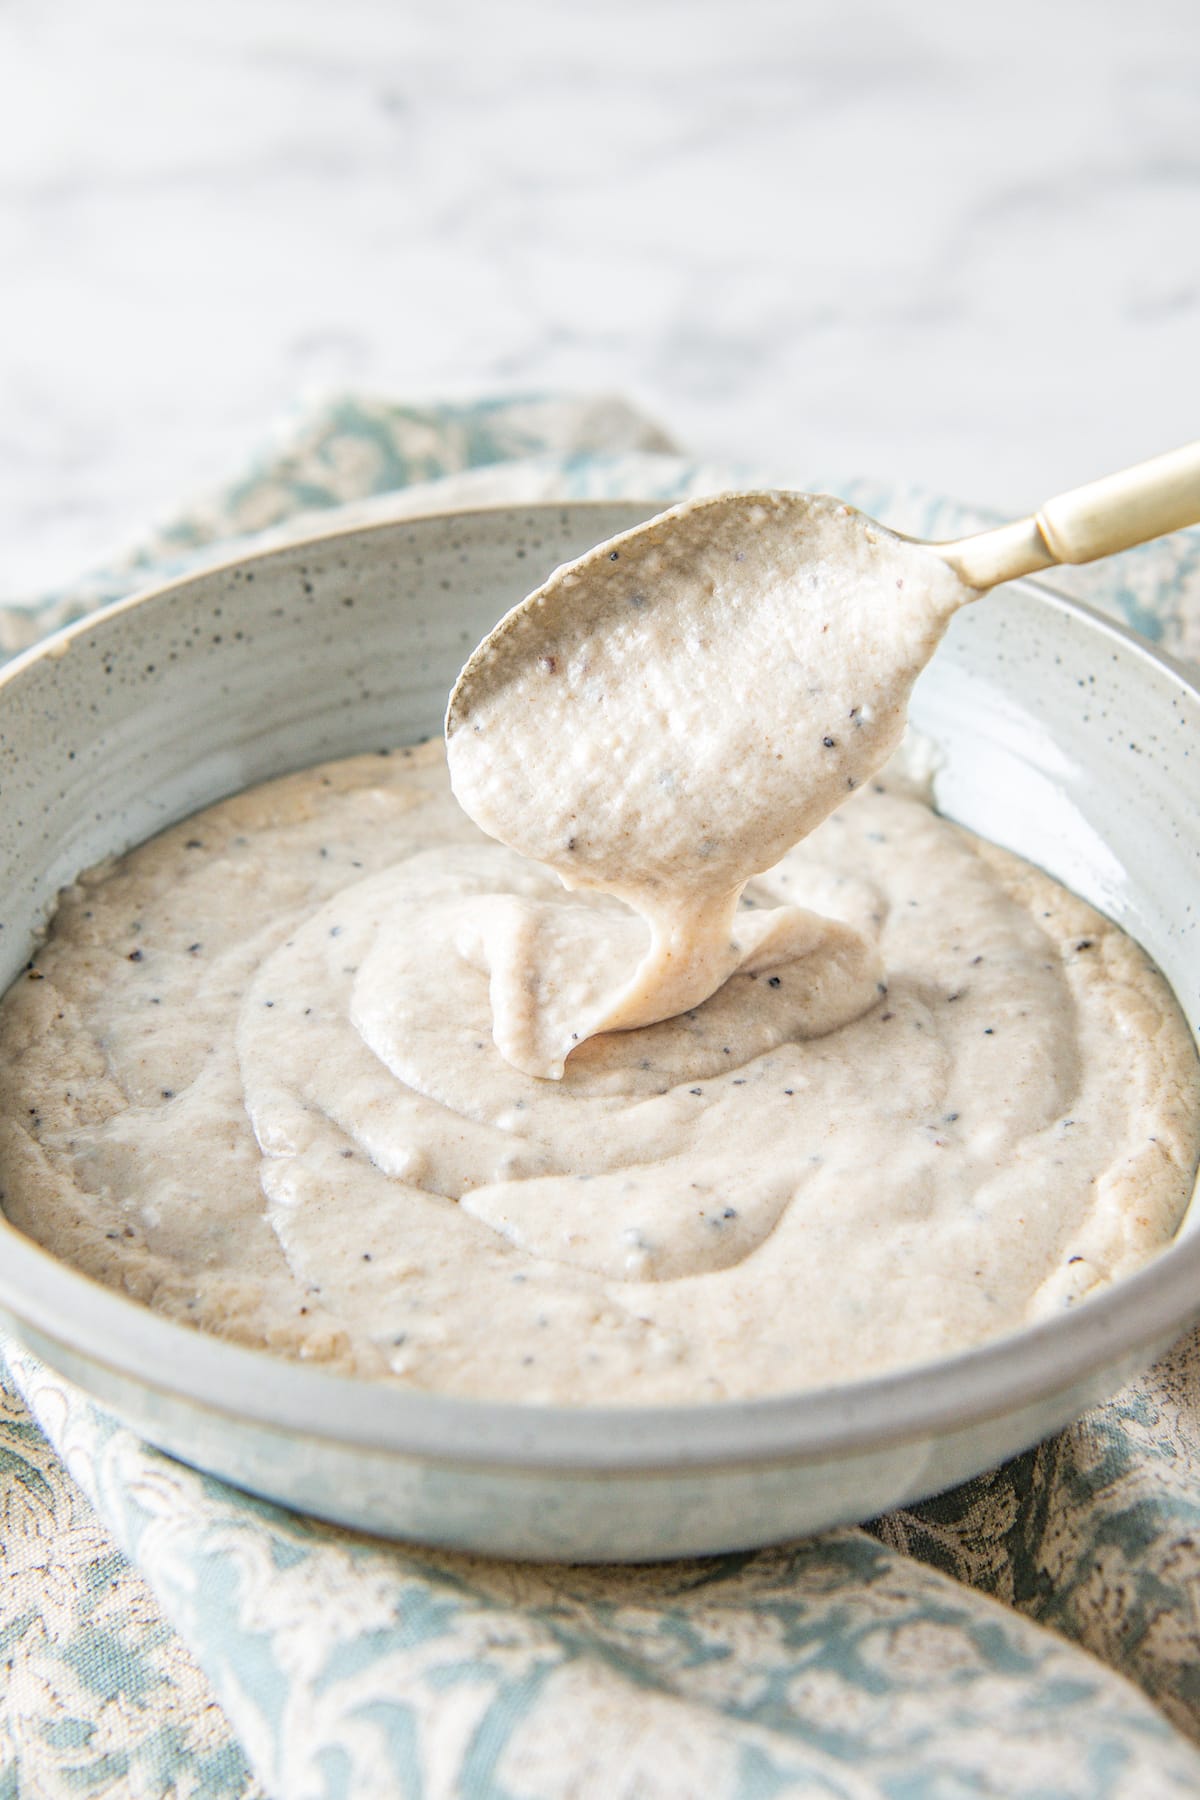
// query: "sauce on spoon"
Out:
[668,716]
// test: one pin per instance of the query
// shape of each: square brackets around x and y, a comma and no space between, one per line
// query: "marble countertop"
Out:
[955,244]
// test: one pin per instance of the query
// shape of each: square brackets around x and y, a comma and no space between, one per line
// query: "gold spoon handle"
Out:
[1111,514]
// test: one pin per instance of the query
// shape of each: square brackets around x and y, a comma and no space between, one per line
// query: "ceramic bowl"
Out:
[1063,738]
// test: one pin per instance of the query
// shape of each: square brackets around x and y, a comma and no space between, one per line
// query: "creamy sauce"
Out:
[730,1070]
[209,1102]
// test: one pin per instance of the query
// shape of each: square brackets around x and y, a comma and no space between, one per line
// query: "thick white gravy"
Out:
[326,1070]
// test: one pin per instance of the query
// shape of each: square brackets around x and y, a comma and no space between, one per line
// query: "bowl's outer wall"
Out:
[1061,740]
[563,1515]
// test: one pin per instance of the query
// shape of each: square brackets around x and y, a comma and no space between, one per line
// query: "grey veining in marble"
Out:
[958,244]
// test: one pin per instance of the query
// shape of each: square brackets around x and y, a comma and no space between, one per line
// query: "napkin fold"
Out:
[1033,1632]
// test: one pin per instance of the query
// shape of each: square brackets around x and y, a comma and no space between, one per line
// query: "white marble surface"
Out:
[954,242]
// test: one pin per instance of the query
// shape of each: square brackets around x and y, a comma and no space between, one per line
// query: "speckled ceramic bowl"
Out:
[1065,739]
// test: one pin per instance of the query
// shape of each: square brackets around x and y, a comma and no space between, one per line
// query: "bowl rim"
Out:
[71,1318]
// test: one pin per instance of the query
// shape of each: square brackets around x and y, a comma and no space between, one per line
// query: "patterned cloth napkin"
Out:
[1033,1633]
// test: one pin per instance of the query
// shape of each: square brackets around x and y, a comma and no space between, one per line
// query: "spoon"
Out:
[670,713]
[1083,525]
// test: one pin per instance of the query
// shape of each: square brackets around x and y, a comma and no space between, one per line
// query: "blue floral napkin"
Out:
[1033,1633]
